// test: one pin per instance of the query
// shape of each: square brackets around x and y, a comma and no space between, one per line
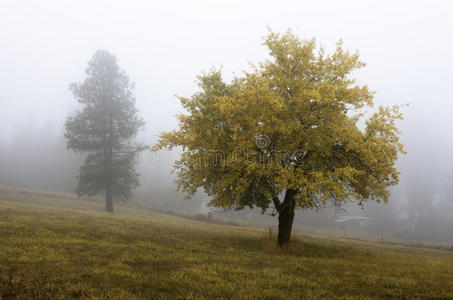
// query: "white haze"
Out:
[163,45]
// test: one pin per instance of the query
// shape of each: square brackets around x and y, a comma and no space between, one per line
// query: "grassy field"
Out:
[57,247]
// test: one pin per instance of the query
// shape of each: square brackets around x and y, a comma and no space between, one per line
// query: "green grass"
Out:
[59,248]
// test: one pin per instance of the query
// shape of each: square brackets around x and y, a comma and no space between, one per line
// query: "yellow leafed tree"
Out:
[286,135]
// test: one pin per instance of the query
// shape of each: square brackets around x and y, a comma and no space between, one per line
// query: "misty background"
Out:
[163,46]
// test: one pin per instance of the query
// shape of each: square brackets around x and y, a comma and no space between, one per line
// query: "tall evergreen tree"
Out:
[105,128]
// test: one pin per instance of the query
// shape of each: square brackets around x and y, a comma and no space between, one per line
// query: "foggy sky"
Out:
[163,45]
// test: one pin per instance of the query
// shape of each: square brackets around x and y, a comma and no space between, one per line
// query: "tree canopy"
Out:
[287,134]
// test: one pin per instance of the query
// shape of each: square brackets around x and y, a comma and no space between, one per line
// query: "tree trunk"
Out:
[108,170]
[286,218]
[109,198]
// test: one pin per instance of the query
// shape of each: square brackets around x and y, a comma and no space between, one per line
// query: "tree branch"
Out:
[277,203]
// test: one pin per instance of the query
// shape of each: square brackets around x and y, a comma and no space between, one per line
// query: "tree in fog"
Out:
[105,128]
[287,134]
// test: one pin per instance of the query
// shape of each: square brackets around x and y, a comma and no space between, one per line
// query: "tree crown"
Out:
[105,127]
[291,123]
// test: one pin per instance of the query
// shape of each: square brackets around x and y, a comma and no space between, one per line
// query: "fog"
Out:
[164,45]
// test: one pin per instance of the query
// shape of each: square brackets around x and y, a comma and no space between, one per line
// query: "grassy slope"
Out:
[62,248]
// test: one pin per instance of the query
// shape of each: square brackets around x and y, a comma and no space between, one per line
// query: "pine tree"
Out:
[105,128]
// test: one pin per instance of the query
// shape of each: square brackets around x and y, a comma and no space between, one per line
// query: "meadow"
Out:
[54,246]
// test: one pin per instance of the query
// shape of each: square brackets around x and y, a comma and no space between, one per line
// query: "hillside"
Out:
[53,247]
